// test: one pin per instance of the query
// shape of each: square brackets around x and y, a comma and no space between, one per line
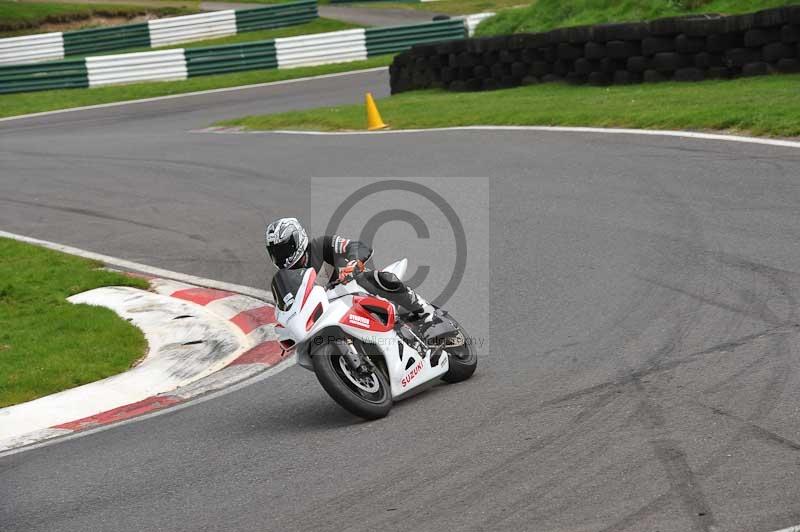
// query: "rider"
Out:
[335,259]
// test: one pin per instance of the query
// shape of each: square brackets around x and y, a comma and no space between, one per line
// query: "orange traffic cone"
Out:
[374,120]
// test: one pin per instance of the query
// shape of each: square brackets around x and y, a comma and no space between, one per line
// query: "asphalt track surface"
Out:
[364,16]
[644,327]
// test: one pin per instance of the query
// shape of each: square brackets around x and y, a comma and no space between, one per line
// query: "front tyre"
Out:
[368,397]
[463,359]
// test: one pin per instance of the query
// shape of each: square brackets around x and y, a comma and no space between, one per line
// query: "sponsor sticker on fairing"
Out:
[411,374]
[359,320]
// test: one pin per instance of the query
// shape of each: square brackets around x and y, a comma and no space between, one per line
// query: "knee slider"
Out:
[388,281]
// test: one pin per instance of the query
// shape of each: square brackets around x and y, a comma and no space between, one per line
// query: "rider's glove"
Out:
[348,271]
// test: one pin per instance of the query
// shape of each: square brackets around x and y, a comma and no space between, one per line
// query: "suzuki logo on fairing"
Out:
[359,320]
[411,374]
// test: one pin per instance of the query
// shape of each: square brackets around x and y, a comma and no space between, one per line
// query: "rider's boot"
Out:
[432,324]
[408,334]
[423,316]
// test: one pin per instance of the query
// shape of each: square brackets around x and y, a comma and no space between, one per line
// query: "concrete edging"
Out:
[201,340]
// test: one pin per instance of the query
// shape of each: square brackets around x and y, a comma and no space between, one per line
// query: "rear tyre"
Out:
[366,397]
[463,359]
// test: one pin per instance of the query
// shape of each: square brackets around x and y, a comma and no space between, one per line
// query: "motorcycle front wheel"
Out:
[463,359]
[366,396]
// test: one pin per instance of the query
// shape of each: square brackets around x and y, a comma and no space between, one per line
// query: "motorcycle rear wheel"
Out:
[369,398]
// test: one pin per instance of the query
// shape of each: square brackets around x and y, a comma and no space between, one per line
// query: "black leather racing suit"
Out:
[327,254]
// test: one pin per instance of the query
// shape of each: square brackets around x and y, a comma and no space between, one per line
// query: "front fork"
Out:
[357,362]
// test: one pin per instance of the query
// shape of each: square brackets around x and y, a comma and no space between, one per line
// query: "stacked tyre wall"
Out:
[679,49]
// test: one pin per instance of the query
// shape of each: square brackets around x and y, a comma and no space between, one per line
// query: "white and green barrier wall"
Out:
[180,63]
[154,33]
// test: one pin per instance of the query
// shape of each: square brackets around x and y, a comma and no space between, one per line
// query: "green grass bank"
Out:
[22,18]
[544,15]
[48,344]
[711,105]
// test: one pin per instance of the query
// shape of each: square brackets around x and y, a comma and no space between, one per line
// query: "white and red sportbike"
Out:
[365,355]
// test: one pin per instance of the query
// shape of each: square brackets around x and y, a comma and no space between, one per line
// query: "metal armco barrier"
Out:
[168,31]
[318,49]
[129,68]
[56,75]
[394,39]
[155,33]
[289,52]
[83,42]
[31,48]
[233,58]
[287,15]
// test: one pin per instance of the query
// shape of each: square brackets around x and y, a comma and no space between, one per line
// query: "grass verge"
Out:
[48,344]
[710,105]
[37,102]
[543,15]
[19,18]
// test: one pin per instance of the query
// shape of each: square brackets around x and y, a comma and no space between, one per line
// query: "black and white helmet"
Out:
[286,242]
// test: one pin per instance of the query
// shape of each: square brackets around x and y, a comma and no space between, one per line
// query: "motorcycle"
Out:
[363,353]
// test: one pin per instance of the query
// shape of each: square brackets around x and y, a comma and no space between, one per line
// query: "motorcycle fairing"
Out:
[303,323]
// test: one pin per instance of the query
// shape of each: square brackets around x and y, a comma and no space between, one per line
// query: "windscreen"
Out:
[285,284]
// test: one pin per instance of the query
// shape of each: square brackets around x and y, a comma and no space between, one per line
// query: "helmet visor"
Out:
[280,253]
